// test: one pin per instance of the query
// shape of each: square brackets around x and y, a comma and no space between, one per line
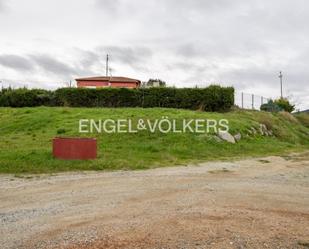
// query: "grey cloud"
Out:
[188,50]
[171,6]
[261,78]
[199,5]
[52,65]
[239,42]
[108,5]
[223,47]
[43,62]
[192,67]
[86,60]
[89,58]
[135,57]
[2,5]
[128,55]
[16,62]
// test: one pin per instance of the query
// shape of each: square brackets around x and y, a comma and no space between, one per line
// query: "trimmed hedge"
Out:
[212,98]
[23,97]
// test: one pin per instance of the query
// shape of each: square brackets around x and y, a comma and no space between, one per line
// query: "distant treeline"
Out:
[212,98]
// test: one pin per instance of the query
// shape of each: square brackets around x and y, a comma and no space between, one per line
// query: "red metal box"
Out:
[75,148]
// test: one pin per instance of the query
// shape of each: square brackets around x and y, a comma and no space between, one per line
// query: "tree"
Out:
[285,104]
[271,106]
[156,83]
[278,105]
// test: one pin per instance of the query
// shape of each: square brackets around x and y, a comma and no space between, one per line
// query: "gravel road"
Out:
[254,203]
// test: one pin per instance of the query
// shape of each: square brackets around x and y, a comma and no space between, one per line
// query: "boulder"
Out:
[226,136]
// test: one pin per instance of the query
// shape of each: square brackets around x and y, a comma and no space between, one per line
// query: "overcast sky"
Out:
[243,43]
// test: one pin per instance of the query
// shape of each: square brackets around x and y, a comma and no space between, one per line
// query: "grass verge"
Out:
[26,136]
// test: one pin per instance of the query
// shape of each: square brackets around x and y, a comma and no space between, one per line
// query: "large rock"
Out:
[226,136]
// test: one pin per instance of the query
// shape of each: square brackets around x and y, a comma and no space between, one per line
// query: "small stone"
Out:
[253,130]
[217,139]
[226,136]
[265,127]
[261,131]
[237,137]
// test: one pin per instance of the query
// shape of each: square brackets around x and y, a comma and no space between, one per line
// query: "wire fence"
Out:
[249,101]
[245,100]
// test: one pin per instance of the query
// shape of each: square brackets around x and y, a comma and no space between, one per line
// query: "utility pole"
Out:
[107,59]
[281,76]
[252,101]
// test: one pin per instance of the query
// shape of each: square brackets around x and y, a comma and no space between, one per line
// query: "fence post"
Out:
[242,100]
[252,101]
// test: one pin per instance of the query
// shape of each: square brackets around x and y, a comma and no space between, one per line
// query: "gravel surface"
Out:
[254,203]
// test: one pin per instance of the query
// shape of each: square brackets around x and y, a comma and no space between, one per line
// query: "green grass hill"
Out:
[26,138]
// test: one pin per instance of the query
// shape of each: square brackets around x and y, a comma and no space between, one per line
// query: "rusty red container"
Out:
[75,148]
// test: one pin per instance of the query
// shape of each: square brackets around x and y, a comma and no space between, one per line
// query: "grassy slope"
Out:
[303,118]
[26,133]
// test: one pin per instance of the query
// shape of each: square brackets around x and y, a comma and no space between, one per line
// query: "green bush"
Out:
[285,105]
[271,106]
[61,131]
[212,98]
[24,97]
[105,97]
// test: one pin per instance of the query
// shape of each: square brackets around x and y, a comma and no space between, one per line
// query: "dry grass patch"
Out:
[288,116]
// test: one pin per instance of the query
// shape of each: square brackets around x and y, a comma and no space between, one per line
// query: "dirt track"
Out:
[256,203]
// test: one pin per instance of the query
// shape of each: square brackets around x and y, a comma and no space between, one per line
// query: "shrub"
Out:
[285,105]
[105,97]
[212,98]
[25,98]
[151,82]
[271,106]
[61,131]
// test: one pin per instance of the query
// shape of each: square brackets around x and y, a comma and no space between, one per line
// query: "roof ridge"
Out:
[108,78]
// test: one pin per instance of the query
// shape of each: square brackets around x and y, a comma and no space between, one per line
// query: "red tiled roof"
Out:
[109,79]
